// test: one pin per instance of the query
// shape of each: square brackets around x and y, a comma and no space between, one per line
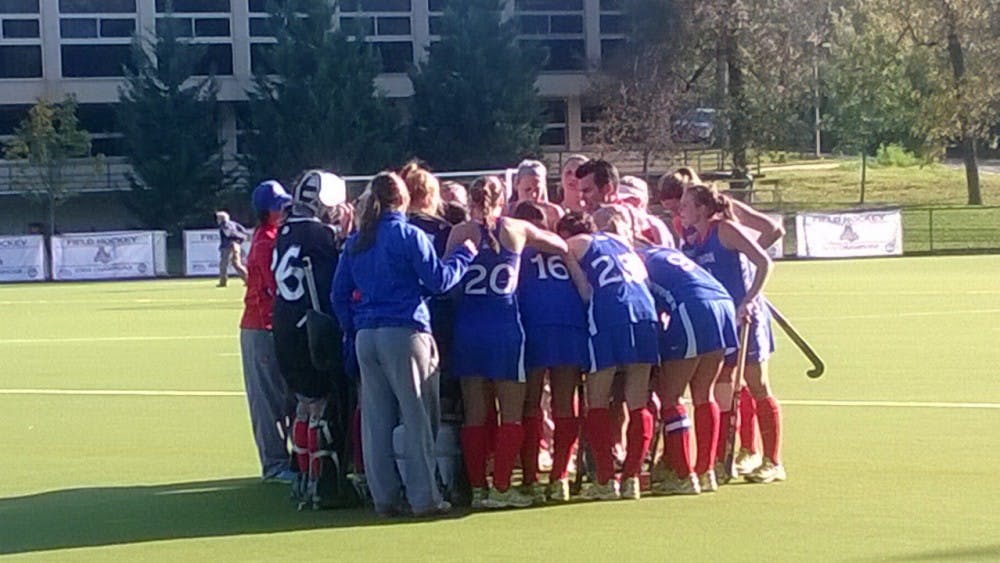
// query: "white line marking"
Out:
[790,402]
[115,339]
[905,314]
[111,301]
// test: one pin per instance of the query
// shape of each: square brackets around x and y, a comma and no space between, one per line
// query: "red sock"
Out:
[677,439]
[748,420]
[510,436]
[474,444]
[566,433]
[769,414]
[640,433]
[300,444]
[359,457]
[532,426]
[597,430]
[314,460]
[706,430]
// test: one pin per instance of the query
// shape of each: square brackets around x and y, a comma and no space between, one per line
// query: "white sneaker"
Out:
[673,485]
[607,491]
[768,472]
[631,489]
[707,482]
[747,461]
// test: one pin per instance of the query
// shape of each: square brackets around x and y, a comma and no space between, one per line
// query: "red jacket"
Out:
[261,287]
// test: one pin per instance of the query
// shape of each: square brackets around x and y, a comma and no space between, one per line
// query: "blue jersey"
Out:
[729,266]
[546,293]
[488,291]
[618,278]
[676,279]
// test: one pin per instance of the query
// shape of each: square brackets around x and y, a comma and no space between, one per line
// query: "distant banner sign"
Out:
[851,234]
[201,253]
[110,255]
[22,258]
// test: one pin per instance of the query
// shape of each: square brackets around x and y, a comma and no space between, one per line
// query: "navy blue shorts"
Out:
[490,351]
[760,342]
[616,346]
[699,327]
[549,346]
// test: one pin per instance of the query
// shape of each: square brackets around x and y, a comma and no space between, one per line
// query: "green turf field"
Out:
[158,476]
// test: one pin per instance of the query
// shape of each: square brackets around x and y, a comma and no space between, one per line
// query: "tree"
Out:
[314,103]
[170,124]
[474,102]
[45,145]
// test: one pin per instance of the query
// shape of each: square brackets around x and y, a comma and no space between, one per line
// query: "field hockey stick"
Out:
[818,366]
[741,366]
[311,283]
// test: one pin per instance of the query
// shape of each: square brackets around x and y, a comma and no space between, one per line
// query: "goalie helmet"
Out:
[317,191]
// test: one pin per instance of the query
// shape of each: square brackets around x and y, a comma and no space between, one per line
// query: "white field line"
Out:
[790,402]
[902,314]
[111,301]
[116,339]
[876,292]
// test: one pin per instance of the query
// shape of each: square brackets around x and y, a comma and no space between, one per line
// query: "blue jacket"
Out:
[393,277]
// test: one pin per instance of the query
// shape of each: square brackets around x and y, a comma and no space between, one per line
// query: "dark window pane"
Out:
[258,5]
[350,6]
[565,54]
[612,5]
[21,61]
[218,60]
[258,57]
[611,48]
[533,25]
[97,6]
[180,26]
[397,56]
[71,28]
[18,6]
[551,5]
[108,146]
[354,26]
[94,60]
[394,26]
[194,6]
[97,118]
[555,111]
[591,114]
[567,24]
[555,136]
[436,5]
[20,29]
[611,24]
[11,117]
[434,24]
[260,27]
[117,28]
[386,5]
[211,27]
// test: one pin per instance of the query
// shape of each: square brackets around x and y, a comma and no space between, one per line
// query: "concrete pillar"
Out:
[420,28]
[592,31]
[574,130]
[227,130]
[240,30]
[51,57]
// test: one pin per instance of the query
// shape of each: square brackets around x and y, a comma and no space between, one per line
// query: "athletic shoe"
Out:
[768,472]
[673,485]
[607,491]
[536,491]
[559,490]
[747,461]
[480,496]
[707,482]
[285,477]
[442,508]
[631,489]
[511,498]
[722,476]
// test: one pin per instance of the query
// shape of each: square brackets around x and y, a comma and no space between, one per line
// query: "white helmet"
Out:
[319,190]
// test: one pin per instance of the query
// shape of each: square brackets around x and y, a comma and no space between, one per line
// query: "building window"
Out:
[181,27]
[258,58]
[554,134]
[211,27]
[260,27]
[20,29]
[357,25]
[97,6]
[393,26]
[20,61]
[76,28]
[218,60]
[549,5]
[397,56]
[196,6]
[117,28]
[18,6]
[94,60]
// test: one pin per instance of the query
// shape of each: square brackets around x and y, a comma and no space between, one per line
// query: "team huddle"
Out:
[440,303]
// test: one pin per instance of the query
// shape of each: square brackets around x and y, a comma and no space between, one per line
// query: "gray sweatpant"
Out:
[268,398]
[399,382]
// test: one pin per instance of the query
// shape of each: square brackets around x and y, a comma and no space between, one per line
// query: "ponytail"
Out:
[383,191]
[485,195]
[724,205]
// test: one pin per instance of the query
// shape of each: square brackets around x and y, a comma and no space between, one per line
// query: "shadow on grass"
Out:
[101,516]
[978,553]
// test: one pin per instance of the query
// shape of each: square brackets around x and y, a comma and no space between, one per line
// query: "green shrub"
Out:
[895,155]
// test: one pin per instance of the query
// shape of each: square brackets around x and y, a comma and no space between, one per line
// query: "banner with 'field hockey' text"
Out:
[849,234]
[109,255]
[22,258]
[201,253]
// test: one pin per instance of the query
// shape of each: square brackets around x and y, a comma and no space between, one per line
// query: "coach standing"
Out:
[393,266]
[267,393]
[231,235]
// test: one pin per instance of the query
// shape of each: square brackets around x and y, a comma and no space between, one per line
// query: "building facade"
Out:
[51,48]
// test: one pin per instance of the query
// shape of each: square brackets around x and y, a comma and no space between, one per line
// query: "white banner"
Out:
[110,255]
[776,250]
[22,258]
[851,234]
[201,253]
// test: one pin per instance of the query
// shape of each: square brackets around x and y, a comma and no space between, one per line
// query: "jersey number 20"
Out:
[477,279]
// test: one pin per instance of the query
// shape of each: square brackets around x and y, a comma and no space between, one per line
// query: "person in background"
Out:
[571,184]
[529,185]
[633,192]
[231,236]
[267,393]
[453,192]
[392,266]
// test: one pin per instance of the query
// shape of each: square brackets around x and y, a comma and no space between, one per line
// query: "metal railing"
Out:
[106,174]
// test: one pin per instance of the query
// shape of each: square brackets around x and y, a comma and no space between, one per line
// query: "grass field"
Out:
[91,474]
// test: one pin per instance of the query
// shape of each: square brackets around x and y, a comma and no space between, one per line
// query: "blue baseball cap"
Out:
[270,196]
